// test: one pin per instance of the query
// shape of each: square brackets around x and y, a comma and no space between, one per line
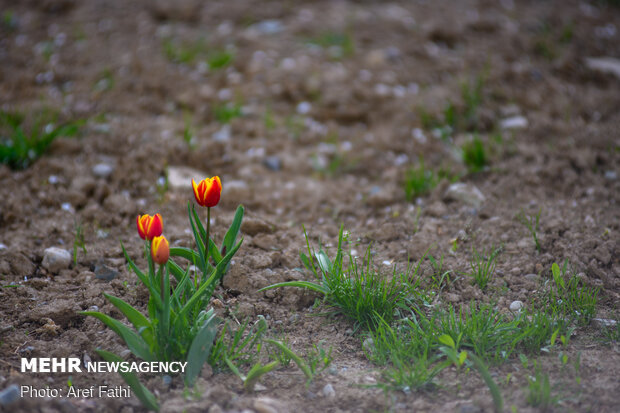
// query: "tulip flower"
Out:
[160,250]
[149,227]
[208,191]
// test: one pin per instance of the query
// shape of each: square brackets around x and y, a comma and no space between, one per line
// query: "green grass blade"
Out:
[299,284]
[231,235]
[142,393]
[498,401]
[298,360]
[140,322]
[200,350]
[135,343]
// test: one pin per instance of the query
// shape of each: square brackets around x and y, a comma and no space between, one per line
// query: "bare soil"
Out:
[339,158]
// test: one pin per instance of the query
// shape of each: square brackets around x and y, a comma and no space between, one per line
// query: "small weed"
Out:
[269,120]
[568,298]
[277,354]
[184,52]
[483,267]
[318,358]
[225,113]
[338,45]
[419,181]
[105,82]
[532,222]
[24,139]
[240,347]
[475,155]
[611,333]
[218,59]
[539,390]
[78,241]
[255,373]
[440,278]
[357,290]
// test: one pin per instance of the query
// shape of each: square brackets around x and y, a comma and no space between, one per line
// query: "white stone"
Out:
[516,305]
[180,177]
[56,259]
[103,170]
[604,64]
[328,391]
[515,122]
[465,193]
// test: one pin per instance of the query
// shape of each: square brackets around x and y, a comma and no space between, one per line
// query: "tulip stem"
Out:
[161,282]
[207,241]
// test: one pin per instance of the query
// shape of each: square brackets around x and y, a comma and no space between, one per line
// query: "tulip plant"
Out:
[179,327]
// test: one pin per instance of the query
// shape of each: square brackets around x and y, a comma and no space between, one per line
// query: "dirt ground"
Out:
[337,101]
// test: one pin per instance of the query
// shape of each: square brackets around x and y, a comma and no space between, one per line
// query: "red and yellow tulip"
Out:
[160,250]
[208,191]
[149,227]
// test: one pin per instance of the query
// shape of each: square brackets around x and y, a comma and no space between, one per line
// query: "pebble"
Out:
[369,345]
[465,193]
[304,108]
[269,405]
[604,322]
[515,122]
[103,272]
[9,395]
[268,26]
[222,135]
[2,246]
[516,305]
[103,170]
[180,177]
[604,65]
[328,391]
[273,163]
[56,259]
[611,175]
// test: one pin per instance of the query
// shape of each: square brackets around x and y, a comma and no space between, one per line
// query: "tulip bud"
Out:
[160,250]
[149,227]
[208,191]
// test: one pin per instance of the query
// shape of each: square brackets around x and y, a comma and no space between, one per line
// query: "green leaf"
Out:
[142,393]
[210,282]
[447,340]
[256,372]
[554,336]
[135,343]
[188,254]
[231,235]
[298,360]
[498,400]
[140,322]
[154,293]
[299,284]
[200,349]
[462,357]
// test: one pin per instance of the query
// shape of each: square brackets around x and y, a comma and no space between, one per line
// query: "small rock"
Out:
[328,391]
[516,305]
[2,246]
[304,108]
[465,193]
[103,170]
[604,65]
[515,122]
[103,272]
[180,177]
[269,405]
[604,322]
[369,345]
[9,395]
[437,209]
[56,259]
[273,162]
[611,175]
[222,135]
[254,226]
[271,26]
